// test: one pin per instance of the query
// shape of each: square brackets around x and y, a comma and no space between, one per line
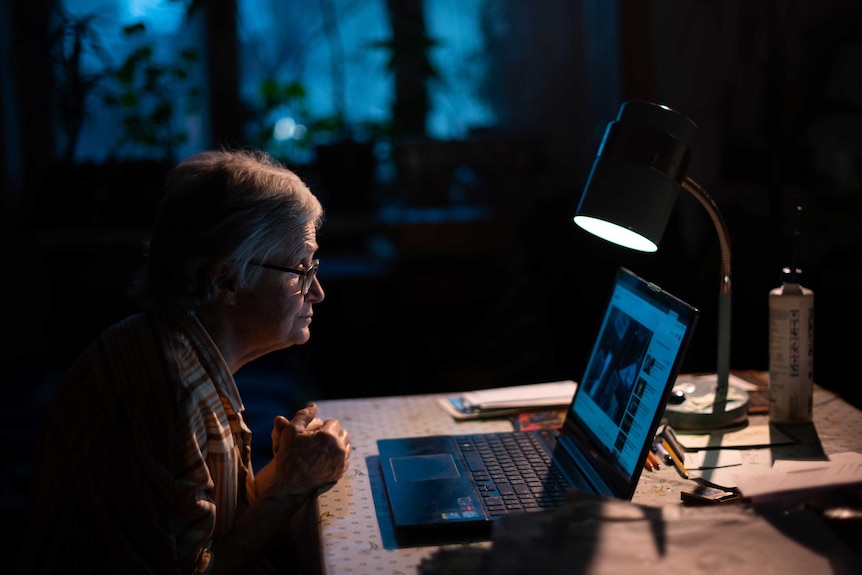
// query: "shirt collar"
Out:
[212,359]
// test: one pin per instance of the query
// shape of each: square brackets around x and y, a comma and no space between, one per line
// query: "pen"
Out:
[680,468]
[661,450]
[668,434]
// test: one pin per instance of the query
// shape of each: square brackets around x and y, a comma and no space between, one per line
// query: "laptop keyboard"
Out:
[512,471]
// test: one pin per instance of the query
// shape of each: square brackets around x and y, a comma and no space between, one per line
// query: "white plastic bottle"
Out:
[791,350]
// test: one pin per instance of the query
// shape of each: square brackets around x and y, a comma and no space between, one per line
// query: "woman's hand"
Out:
[309,453]
[308,413]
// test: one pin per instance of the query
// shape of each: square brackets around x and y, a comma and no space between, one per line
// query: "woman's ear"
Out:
[223,279]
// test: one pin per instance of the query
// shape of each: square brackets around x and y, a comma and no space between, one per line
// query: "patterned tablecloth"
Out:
[354,533]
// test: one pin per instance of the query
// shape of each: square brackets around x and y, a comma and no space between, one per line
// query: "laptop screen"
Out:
[630,371]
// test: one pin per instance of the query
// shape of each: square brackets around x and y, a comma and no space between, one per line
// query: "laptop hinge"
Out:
[587,471]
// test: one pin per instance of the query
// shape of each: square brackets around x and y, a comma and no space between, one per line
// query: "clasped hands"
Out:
[310,454]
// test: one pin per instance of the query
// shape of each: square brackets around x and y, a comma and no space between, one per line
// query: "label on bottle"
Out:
[791,354]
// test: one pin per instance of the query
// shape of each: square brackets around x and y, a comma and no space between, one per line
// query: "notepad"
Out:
[502,401]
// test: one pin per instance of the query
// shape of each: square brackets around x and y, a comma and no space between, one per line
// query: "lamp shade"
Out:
[636,176]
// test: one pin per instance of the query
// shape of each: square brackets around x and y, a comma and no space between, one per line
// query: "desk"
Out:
[350,538]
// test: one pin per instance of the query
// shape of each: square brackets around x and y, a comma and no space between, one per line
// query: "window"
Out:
[331,53]
[320,64]
[310,72]
[141,93]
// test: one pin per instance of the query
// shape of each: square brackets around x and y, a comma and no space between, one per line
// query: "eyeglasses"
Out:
[308,274]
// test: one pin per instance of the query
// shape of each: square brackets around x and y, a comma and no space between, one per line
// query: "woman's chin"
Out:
[299,337]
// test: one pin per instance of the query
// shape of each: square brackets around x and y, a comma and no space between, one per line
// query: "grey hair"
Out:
[225,207]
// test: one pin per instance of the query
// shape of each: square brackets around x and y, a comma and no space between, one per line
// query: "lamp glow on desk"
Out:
[630,193]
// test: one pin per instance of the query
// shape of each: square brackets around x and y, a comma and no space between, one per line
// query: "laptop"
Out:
[460,480]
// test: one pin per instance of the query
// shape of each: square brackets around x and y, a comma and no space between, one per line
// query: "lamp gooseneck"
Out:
[723,358]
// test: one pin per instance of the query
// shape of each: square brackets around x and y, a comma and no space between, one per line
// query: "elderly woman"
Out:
[143,464]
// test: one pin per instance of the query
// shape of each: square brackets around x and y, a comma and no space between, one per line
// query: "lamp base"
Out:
[692,405]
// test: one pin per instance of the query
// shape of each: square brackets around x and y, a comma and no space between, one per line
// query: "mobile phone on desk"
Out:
[705,495]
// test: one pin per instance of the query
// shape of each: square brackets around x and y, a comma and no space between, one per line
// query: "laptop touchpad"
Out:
[424,467]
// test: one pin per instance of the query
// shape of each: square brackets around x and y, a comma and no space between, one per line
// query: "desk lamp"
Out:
[628,198]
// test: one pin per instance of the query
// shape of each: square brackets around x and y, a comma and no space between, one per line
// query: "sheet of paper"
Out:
[794,464]
[713,459]
[788,483]
[531,395]
[749,436]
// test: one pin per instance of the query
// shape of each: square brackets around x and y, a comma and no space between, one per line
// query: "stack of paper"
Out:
[502,401]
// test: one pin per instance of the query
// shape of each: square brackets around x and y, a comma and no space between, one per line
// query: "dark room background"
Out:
[449,141]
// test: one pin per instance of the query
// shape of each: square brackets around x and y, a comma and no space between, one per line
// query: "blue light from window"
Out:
[287,129]
[160,16]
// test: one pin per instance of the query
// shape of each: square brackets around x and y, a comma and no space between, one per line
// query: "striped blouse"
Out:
[144,457]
